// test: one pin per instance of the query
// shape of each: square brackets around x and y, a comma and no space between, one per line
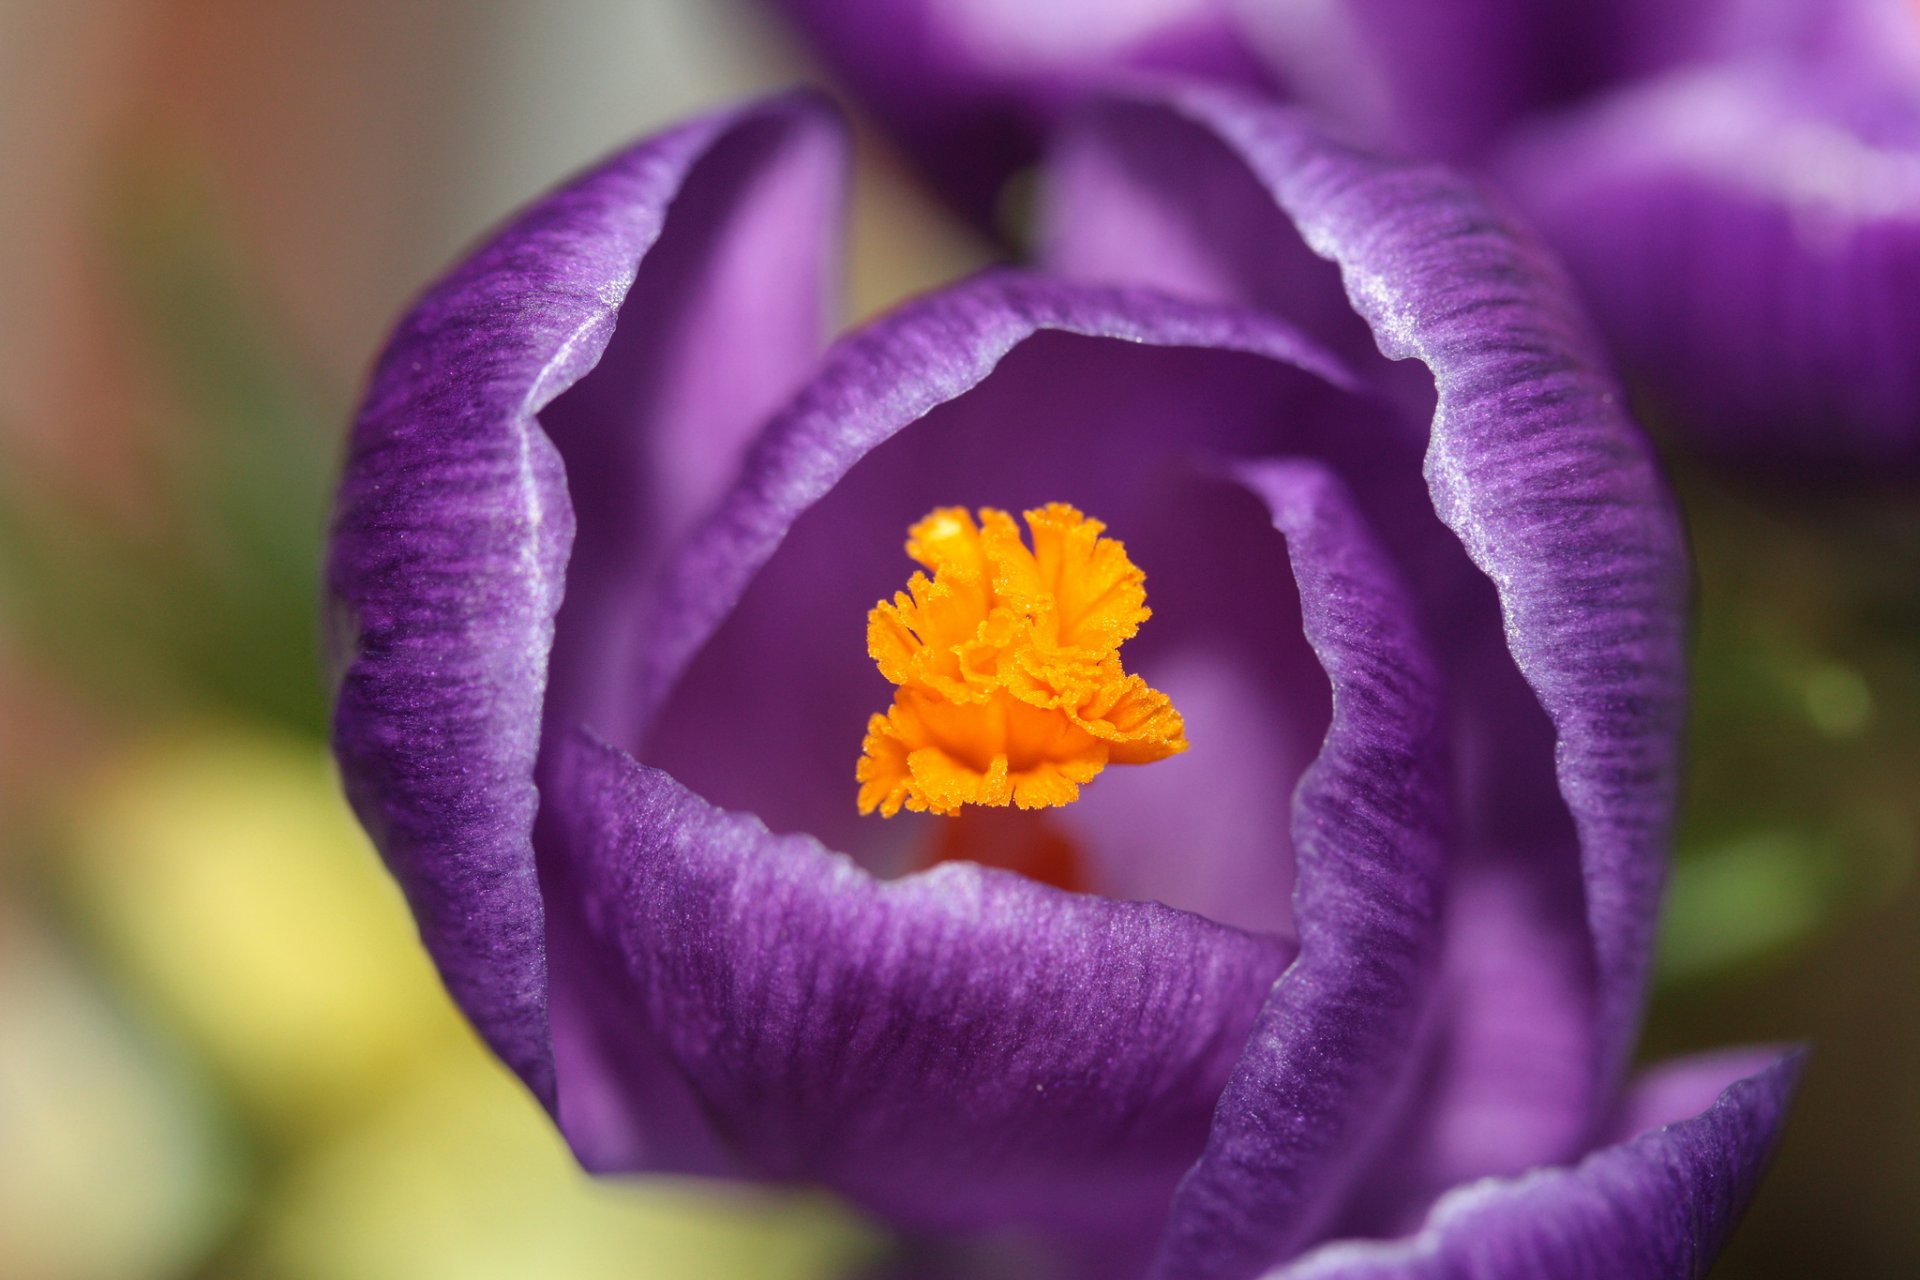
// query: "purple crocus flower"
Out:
[1734,183]
[1749,227]
[971,88]
[1345,989]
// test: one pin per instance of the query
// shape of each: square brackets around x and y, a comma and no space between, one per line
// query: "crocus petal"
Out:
[1531,461]
[1749,235]
[969,87]
[1681,1088]
[1878,40]
[955,1049]
[451,539]
[1505,1081]
[1308,1098]
[724,319]
[899,371]
[1656,1207]
[1431,79]
[1244,743]
[1444,80]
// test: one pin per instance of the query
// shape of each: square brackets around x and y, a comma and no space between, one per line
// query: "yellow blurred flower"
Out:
[109,1169]
[224,875]
[456,1182]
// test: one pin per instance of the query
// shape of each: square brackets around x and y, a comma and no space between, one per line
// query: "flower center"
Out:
[1007,660]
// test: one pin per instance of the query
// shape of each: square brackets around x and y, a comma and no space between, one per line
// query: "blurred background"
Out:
[222,1053]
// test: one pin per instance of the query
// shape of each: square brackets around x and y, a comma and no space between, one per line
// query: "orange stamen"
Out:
[1007,660]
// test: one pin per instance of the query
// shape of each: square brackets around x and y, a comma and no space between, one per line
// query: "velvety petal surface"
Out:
[450,546]
[1309,1098]
[1532,462]
[1678,1089]
[969,87]
[1504,1081]
[1655,1207]
[1749,235]
[956,1049]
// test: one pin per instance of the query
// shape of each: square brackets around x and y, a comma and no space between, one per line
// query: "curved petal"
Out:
[1307,1100]
[1019,390]
[969,87]
[1428,79]
[1531,461]
[893,374]
[1749,235]
[1657,1207]
[724,319]
[450,542]
[1681,1088]
[1504,1082]
[1867,52]
[1445,80]
[1207,831]
[957,1049]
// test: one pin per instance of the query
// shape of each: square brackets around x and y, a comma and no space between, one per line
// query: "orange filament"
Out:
[1028,844]
[1007,660]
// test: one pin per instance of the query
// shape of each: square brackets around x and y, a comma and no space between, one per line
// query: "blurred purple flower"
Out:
[607,535]
[1735,183]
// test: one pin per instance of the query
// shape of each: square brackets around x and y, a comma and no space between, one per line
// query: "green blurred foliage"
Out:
[1801,807]
[205,595]
[1792,913]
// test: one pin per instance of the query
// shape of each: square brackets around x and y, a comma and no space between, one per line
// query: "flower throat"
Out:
[1007,662]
